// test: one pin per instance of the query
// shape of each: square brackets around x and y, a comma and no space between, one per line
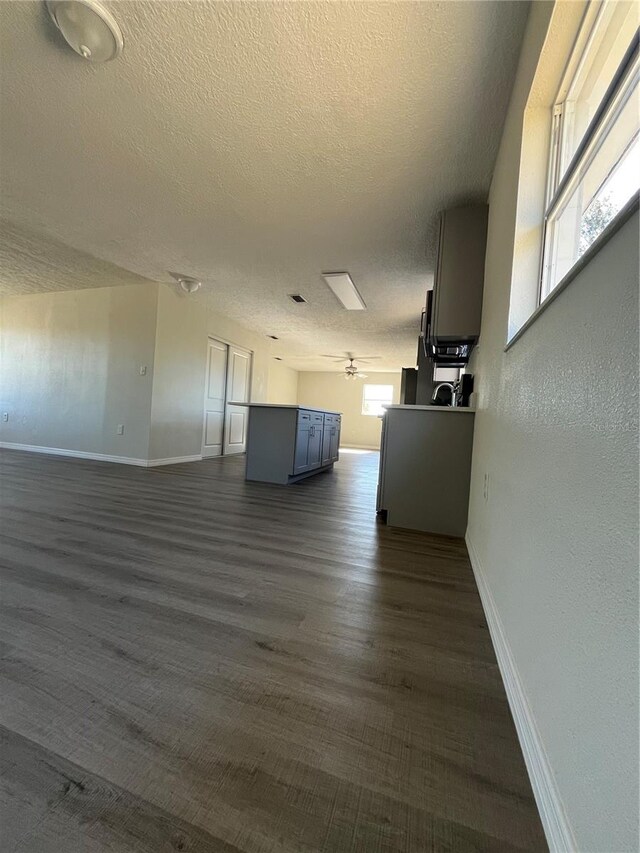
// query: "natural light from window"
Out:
[604,39]
[595,156]
[375,398]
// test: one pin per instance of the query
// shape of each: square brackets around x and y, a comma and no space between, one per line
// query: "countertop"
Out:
[286,406]
[451,409]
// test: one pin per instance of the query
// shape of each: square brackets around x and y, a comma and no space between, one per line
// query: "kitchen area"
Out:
[427,440]
[427,437]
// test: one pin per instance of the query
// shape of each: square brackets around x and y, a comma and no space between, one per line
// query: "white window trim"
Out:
[559,190]
[631,207]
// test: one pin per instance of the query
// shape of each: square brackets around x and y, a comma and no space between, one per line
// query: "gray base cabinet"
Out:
[287,443]
[330,439]
[309,437]
[425,468]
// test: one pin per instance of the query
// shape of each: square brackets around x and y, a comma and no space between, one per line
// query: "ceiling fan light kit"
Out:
[352,372]
[88,28]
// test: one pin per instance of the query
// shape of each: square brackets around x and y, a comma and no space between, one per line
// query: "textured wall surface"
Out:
[557,539]
[331,391]
[70,369]
[256,144]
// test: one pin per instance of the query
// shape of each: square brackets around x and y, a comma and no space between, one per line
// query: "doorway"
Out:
[228,381]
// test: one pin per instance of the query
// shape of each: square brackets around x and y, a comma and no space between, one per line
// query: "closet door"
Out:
[238,390]
[214,398]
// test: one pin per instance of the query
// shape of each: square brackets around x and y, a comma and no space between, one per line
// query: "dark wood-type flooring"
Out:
[190,662]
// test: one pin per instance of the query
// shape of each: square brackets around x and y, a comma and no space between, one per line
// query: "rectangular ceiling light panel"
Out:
[345,290]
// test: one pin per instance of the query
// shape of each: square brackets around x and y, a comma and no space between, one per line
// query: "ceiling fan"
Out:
[349,356]
[350,370]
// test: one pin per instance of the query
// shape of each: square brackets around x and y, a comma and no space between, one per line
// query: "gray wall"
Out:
[70,369]
[557,539]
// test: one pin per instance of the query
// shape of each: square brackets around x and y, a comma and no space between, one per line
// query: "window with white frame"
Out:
[375,398]
[595,144]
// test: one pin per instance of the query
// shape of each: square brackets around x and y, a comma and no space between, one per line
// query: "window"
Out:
[595,148]
[375,398]
[446,374]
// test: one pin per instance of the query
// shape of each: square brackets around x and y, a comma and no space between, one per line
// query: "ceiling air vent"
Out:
[273,337]
[296,297]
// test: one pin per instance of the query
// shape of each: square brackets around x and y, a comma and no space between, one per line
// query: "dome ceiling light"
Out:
[88,28]
[186,283]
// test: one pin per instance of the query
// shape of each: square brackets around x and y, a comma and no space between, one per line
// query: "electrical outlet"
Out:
[120,429]
[485,490]
[5,416]
[143,370]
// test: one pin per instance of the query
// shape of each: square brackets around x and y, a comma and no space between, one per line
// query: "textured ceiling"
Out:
[254,145]
[32,263]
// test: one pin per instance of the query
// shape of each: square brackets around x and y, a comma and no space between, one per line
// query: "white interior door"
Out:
[215,398]
[238,389]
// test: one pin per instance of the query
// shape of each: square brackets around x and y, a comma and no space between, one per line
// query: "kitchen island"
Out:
[286,443]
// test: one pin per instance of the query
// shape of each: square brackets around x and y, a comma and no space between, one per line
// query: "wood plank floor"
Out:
[190,662]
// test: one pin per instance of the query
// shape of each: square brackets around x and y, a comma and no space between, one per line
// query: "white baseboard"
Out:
[99,457]
[360,447]
[173,460]
[554,820]
[77,454]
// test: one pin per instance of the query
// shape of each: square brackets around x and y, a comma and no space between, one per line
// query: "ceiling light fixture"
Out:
[186,283]
[351,371]
[189,285]
[88,28]
[344,290]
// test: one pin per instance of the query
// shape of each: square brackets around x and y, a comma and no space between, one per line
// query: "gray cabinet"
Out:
[459,275]
[425,468]
[331,439]
[301,450]
[409,385]
[287,443]
[316,434]
[309,442]
[315,447]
